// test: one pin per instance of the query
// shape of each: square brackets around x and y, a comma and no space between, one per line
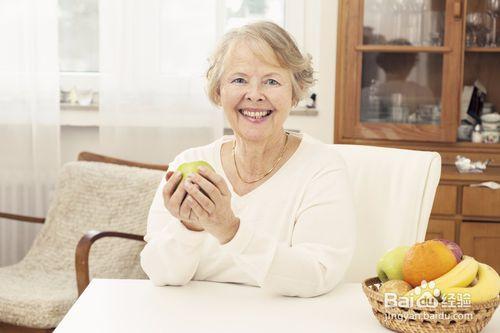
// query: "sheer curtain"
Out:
[153,55]
[29,118]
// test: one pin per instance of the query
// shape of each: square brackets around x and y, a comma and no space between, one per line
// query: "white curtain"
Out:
[29,117]
[153,55]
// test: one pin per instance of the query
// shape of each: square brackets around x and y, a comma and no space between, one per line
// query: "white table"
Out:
[208,307]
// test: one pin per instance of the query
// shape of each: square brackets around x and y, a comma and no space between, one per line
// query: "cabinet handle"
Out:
[457,9]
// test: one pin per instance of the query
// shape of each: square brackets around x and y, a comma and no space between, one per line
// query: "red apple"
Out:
[454,248]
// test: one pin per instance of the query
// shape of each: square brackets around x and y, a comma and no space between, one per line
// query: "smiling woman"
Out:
[271,45]
[276,211]
[255,116]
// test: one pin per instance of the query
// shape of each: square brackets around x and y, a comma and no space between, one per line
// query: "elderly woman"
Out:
[277,210]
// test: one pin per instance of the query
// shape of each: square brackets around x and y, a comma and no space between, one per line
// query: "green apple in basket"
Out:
[390,266]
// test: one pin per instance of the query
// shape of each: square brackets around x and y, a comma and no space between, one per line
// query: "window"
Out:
[79,51]
[240,12]
[79,37]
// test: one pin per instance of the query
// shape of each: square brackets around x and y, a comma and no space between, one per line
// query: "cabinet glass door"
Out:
[407,54]
[404,22]
[402,87]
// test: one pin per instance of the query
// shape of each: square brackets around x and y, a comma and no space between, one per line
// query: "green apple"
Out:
[192,167]
[390,266]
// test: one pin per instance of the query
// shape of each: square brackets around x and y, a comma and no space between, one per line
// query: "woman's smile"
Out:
[255,116]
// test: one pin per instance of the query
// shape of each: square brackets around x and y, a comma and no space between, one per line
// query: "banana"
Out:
[459,276]
[486,288]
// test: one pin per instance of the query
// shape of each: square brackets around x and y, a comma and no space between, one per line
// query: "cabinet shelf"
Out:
[402,49]
[483,49]
[466,144]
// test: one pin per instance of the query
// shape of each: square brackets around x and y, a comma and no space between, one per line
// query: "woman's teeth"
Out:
[255,114]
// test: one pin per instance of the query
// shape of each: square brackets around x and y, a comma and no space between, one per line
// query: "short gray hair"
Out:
[263,38]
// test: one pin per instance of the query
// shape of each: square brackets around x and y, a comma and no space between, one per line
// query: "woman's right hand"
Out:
[174,200]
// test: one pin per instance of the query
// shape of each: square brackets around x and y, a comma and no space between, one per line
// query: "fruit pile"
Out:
[436,269]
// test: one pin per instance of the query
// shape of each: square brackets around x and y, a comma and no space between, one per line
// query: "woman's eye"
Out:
[272,82]
[238,80]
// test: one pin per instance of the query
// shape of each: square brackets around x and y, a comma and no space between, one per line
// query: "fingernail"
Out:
[202,169]
[187,183]
[177,174]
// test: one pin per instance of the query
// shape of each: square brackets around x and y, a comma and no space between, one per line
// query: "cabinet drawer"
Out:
[438,228]
[480,201]
[481,241]
[445,201]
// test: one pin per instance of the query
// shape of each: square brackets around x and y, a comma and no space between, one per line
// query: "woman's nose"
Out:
[254,93]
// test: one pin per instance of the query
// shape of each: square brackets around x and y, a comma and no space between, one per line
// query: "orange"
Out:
[427,261]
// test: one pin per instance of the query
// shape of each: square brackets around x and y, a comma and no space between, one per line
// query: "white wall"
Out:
[320,41]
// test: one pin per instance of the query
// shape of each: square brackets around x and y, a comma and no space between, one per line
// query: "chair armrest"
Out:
[22,218]
[92,157]
[83,250]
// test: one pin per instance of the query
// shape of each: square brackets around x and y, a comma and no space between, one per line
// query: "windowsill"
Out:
[73,107]
[88,115]
[304,112]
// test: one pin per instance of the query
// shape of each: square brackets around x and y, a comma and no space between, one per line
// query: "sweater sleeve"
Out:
[322,242]
[172,251]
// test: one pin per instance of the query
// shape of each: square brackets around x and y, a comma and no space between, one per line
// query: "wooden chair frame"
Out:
[84,245]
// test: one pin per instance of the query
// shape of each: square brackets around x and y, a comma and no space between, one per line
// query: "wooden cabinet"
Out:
[480,240]
[445,201]
[401,72]
[395,85]
[400,75]
[480,201]
[439,228]
[468,215]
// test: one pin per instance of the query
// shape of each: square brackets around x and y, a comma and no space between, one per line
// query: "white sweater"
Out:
[296,235]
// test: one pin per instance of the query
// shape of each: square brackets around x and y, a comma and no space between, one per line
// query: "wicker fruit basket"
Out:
[416,319]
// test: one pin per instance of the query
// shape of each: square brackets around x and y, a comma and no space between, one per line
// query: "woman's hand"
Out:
[210,200]
[174,200]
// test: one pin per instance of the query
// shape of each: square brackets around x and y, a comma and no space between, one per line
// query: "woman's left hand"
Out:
[211,203]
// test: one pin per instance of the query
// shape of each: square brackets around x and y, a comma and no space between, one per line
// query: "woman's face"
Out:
[256,96]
